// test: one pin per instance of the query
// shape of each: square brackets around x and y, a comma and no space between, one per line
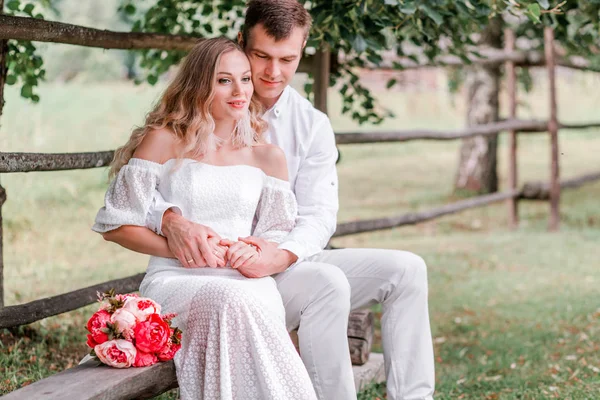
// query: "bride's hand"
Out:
[218,250]
[240,254]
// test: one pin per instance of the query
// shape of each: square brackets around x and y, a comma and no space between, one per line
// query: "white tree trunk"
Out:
[478,156]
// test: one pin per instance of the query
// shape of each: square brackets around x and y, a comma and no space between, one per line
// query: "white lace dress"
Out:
[235,344]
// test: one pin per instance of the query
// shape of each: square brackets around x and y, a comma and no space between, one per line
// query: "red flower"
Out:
[144,359]
[152,334]
[168,352]
[96,324]
[90,341]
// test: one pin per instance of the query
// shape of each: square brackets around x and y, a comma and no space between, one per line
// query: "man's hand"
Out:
[240,254]
[272,260]
[194,245]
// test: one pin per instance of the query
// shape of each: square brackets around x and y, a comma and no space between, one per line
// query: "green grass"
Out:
[515,314]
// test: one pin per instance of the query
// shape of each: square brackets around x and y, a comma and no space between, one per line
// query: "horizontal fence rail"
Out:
[39,30]
[541,190]
[39,309]
[425,134]
[529,191]
[350,228]
[522,126]
[489,56]
[29,162]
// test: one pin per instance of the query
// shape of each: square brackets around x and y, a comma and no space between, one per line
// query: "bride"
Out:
[201,148]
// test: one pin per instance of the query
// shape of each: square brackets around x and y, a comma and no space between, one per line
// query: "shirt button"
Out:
[277,112]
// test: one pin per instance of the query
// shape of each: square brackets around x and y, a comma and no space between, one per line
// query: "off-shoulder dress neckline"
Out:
[135,160]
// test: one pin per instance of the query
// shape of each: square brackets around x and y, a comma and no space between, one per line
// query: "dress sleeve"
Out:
[276,212]
[129,196]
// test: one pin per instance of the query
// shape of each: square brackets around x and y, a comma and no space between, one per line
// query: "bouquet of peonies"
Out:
[128,331]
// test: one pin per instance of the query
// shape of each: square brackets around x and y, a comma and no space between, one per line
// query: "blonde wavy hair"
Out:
[184,108]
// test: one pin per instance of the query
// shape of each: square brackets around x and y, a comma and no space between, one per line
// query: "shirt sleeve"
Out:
[129,196]
[157,210]
[276,212]
[316,190]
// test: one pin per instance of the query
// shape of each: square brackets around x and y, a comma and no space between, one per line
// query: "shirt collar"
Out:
[279,106]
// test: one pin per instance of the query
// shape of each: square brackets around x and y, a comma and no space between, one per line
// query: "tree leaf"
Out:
[13,5]
[359,44]
[27,91]
[11,80]
[130,9]
[391,83]
[534,12]
[433,14]
[28,9]
[408,8]
[544,3]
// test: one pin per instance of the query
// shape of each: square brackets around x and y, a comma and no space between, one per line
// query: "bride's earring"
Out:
[244,134]
[214,142]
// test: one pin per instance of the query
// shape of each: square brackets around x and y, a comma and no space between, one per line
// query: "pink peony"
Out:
[116,353]
[123,297]
[144,359]
[96,324]
[124,321]
[151,335]
[141,307]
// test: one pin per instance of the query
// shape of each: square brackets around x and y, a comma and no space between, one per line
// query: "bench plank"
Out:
[99,382]
[92,382]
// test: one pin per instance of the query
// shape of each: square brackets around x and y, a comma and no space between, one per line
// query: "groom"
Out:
[319,287]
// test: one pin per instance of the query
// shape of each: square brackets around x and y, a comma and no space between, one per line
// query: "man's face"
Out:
[273,63]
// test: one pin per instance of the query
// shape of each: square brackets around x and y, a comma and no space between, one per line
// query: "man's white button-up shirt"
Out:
[306,136]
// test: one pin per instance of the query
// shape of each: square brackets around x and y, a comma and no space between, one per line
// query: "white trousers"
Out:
[318,295]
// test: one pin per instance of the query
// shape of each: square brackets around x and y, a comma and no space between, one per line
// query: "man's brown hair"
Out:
[279,17]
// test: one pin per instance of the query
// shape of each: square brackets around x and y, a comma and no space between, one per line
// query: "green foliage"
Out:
[25,66]
[360,32]
[576,26]
[197,18]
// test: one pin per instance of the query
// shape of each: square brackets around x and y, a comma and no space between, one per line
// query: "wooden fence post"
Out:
[321,69]
[3,73]
[511,85]
[553,130]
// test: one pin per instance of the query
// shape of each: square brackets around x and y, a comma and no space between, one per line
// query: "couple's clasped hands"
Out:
[196,245]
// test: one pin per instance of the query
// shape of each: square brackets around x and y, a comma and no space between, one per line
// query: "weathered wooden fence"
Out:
[320,64]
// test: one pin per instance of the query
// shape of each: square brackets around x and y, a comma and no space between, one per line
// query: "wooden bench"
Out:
[99,382]
[90,381]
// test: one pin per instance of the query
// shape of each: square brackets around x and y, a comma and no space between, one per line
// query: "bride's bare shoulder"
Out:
[271,159]
[158,145]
